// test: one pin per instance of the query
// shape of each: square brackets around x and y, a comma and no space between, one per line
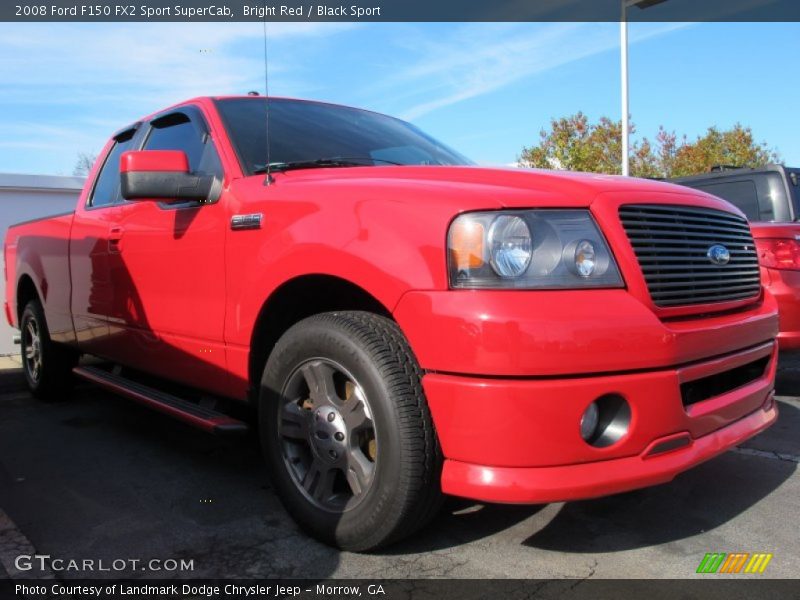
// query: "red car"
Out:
[403,323]
[769,196]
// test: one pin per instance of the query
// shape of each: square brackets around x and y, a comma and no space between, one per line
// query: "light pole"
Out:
[623,44]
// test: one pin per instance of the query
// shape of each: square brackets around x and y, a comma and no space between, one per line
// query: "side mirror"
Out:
[161,175]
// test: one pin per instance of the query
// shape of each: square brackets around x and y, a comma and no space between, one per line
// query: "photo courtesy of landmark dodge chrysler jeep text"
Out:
[404,324]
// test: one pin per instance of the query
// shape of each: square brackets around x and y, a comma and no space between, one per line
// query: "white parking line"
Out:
[789,399]
[13,544]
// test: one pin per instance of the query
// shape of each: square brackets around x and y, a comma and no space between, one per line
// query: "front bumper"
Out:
[567,332]
[519,440]
[509,375]
[536,485]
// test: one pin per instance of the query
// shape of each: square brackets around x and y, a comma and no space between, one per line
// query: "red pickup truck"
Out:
[402,323]
[769,197]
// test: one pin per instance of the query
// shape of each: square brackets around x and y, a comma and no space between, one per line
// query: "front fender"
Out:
[385,248]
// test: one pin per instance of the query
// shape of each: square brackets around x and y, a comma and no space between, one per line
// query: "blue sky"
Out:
[485,89]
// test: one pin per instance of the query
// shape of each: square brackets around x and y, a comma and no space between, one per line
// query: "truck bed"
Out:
[42,246]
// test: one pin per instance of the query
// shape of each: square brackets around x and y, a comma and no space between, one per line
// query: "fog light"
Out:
[606,421]
[589,421]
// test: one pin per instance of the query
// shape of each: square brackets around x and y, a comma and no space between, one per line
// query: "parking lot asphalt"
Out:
[98,477]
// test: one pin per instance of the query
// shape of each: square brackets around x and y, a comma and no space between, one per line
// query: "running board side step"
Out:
[178,408]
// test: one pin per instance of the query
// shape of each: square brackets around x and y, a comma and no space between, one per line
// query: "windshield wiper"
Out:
[336,161]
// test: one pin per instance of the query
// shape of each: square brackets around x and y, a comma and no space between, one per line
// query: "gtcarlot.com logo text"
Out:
[45,562]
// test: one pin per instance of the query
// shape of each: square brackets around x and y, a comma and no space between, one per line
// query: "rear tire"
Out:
[47,365]
[347,433]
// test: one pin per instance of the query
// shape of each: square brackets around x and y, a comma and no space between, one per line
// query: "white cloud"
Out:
[156,62]
[481,58]
[89,80]
[65,87]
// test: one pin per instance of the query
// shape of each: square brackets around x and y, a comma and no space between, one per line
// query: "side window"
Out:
[794,180]
[106,188]
[773,198]
[177,132]
[741,194]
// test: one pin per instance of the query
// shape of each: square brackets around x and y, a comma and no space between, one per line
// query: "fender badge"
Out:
[252,221]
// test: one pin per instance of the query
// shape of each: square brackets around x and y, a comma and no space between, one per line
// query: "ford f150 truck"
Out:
[403,323]
[769,197]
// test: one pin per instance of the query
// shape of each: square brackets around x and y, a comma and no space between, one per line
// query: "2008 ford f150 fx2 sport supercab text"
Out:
[404,324]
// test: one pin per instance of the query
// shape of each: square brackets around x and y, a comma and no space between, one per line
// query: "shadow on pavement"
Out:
[12,380]
[462,522]
[102,478]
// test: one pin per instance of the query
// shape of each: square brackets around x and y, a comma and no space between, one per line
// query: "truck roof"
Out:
[723,171]
[211,99]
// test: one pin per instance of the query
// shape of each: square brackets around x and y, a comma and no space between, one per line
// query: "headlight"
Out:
[533,249]
[509,246]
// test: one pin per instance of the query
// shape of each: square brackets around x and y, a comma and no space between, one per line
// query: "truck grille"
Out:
[672,245]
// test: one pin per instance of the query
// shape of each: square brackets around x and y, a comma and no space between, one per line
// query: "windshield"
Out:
[302,131]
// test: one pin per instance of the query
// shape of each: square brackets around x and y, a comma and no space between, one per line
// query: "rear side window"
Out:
[177,132]
[106,188]
[742,194]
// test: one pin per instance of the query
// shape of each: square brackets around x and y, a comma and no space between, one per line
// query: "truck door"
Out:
[92,242]
[169,274]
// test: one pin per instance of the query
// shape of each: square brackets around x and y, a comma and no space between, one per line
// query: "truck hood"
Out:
[472,188]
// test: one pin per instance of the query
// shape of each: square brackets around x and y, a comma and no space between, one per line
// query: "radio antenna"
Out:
[268,180]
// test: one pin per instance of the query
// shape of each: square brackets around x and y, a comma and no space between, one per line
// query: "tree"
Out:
[84,164]
[734,147]
[575,144]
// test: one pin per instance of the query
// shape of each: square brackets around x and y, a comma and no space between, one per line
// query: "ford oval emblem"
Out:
[719,254]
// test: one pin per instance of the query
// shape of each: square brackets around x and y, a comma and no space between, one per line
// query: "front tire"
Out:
[347,433]
[47,365]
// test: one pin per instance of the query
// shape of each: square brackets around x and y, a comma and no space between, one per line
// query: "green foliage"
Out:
[574,144]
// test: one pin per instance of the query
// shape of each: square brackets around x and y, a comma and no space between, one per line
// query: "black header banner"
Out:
[399,10]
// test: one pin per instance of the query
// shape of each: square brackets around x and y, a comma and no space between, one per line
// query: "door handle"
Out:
[114,238]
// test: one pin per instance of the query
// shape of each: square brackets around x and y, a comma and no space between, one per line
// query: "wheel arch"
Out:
[296,299]
[26,291]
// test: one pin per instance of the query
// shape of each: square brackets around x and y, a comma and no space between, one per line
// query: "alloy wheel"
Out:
[32,348]
[328,436]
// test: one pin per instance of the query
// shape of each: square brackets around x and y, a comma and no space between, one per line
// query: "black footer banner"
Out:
[711,587]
